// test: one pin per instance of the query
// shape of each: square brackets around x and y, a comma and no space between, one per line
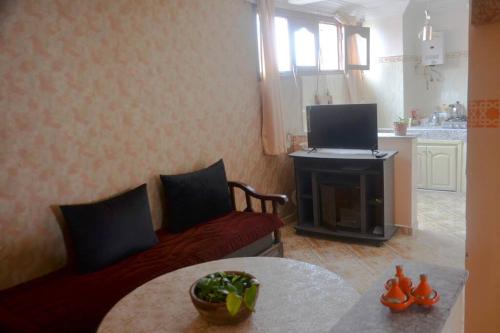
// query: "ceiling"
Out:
[368,9]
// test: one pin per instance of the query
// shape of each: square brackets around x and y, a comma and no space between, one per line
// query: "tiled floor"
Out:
[440,239]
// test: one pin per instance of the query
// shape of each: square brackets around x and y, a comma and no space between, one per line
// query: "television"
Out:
[346,126]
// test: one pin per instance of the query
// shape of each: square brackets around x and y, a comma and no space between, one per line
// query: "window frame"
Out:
[297,20]
[363,32]
[314,19]
[295,26]
[340,52]
[291,55]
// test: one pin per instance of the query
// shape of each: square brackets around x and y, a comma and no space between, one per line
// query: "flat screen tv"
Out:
[347,126]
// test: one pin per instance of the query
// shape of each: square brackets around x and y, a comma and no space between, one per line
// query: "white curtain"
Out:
[354,78]
[273,131]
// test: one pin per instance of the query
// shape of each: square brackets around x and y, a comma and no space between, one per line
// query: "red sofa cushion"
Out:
[65,301]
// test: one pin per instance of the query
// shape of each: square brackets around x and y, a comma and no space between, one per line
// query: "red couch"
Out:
[65,301]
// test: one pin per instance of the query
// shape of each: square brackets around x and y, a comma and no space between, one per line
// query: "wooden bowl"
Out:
[216,313]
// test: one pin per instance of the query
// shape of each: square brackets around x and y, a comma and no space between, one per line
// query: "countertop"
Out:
[432,133]
[368,315]
[351,154]
[425,128]
[392,135]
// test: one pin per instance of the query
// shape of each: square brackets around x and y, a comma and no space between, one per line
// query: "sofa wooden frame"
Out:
[275,199]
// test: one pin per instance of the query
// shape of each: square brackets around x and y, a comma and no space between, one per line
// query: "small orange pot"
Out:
[428,302]
[397,307]
[405,282]
[423,294]
[395,299]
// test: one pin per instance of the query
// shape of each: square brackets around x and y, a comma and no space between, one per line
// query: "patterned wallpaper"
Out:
[485,12]
[100,96]
[484,113]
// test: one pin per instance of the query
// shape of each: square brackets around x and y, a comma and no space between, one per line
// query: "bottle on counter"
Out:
[414,119]
[435,119]
[461,111]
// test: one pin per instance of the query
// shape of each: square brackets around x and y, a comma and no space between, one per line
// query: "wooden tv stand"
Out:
[345,193]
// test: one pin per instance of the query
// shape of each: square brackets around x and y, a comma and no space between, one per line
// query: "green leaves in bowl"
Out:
[230,287]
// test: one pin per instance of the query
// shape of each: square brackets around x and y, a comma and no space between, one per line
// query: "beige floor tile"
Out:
[440,240]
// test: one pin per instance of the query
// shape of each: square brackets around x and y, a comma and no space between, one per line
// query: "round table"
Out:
[294,296]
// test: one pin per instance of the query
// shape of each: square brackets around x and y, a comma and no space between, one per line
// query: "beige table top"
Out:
[294,297]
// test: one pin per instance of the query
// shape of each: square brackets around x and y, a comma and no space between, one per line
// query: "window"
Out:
[328,47]
[308,44]
[282,44]
[282,40]
[259,46]
[357,41]
[305,48]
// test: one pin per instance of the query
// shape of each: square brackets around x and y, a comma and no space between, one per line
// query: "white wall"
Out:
[384,80]
[297,93]
[450,83]
[386,36]
[333,84]
[291,102]
[396,81]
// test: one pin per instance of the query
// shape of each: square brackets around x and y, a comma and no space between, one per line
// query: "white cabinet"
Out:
[439,165]
[442,168]
[421,166]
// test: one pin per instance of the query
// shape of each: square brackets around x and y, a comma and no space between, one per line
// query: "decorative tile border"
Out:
[485,12]
[412,58]
[457,55]
[390,59]
[417,59]
[484,113]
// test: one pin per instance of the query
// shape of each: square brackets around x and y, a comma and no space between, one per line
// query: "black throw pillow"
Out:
[196,197]
[104,232]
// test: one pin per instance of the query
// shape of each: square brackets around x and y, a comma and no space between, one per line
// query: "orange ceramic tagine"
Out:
[405,282]
[424,294]
[395,299]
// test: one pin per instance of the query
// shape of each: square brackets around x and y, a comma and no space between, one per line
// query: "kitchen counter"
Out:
[433,133]
[392,135]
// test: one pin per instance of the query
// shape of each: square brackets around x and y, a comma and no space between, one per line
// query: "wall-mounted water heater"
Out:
[433,49]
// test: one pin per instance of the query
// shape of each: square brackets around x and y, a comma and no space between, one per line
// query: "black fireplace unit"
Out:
[345,194]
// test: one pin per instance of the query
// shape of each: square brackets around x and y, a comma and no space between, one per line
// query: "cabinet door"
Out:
[421,166]
[442,168]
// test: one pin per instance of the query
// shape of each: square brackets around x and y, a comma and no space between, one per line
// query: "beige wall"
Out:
[100,96]
[483,180]
[405,170]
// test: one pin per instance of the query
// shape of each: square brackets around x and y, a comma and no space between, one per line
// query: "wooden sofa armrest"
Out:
[276,199]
